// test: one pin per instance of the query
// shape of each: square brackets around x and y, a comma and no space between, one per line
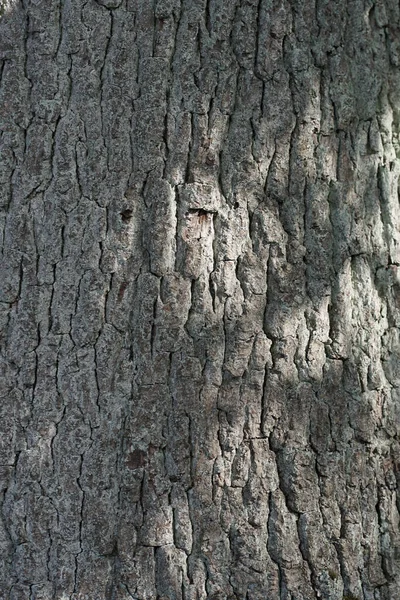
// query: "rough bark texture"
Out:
[200,296]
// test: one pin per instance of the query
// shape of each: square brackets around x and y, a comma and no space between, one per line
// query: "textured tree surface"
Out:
[200,300]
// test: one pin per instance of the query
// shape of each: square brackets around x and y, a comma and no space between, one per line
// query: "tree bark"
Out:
[200,296]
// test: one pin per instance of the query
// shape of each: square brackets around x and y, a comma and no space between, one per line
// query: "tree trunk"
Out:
[200,298]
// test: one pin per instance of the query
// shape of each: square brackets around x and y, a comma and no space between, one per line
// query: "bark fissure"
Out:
[199,300]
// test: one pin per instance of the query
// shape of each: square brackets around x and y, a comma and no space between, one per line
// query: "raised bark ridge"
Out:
[200,297]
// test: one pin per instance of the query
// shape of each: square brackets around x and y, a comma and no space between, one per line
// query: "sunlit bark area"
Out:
[200,300]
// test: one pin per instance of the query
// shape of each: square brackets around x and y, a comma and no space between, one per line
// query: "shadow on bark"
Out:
[200,300]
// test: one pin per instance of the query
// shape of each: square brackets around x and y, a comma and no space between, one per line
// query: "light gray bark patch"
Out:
[199,300]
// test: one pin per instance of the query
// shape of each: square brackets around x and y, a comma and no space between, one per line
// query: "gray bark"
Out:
[200,294]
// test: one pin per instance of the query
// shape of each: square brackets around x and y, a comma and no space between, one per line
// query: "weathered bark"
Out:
[200,300]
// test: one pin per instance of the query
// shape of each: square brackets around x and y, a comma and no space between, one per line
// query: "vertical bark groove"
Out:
[199,300]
